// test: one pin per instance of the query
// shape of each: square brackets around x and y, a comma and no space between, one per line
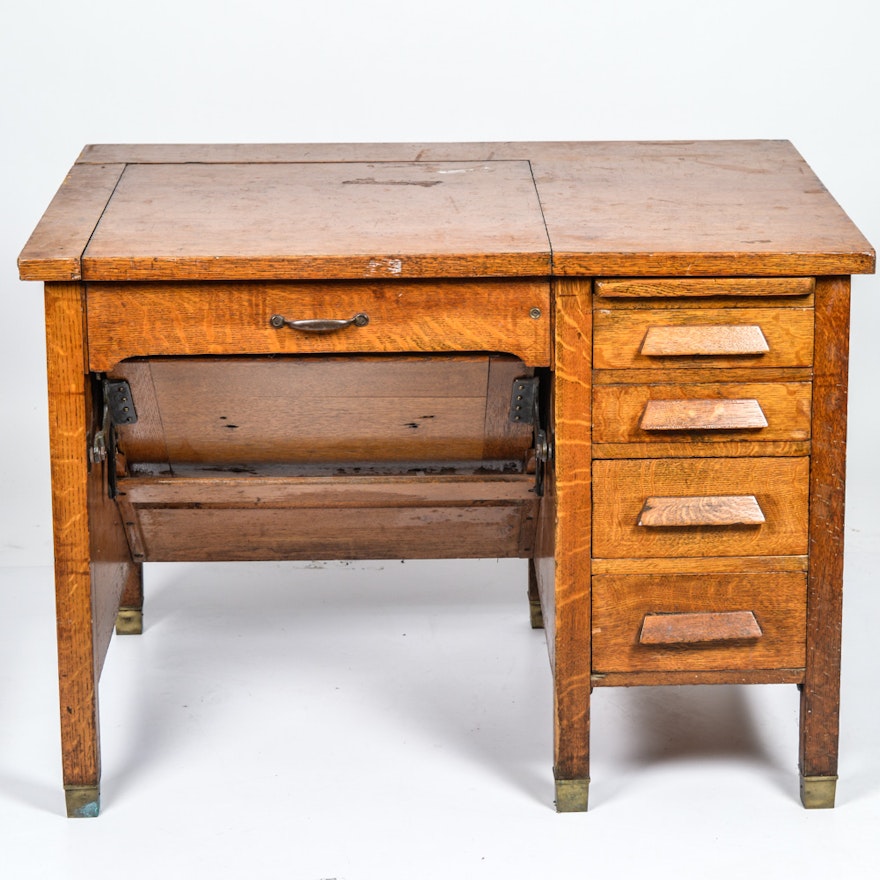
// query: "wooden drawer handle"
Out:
[702,415]
[705,340]
[701,510]
[320,325]
[691,628]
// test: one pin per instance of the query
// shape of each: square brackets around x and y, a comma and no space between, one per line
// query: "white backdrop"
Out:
[341,70]
[229,70]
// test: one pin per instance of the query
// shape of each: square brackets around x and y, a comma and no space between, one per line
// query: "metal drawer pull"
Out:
[705,340]
[701,510]
[702,415]
[320,325]
[689,628]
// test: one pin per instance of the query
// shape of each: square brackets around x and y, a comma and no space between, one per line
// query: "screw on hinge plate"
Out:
[524,400]
[117,397]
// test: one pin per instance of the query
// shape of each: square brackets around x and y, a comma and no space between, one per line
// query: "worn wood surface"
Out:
[703,287]
[685,338]
[621,487]
[243,517]
[200,534]
[54,250]
[637,208]
[820,697]
[346,410]
[320,220]
[571,420]
[704,341]
[703,415]
[714,208]
[702,510]
[622,602]
[699,627]
[130,320]
[694,208]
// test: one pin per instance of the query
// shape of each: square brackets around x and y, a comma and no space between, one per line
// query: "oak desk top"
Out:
[300,211]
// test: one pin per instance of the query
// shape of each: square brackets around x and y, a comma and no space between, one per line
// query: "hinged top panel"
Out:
[320,220]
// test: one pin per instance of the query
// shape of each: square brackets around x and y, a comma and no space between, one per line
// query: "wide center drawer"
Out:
[142,319]
[700,507]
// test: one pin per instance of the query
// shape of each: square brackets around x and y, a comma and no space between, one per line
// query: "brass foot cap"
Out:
[817,792]
[536,615]
[129,622]
[83,801]
[572,795]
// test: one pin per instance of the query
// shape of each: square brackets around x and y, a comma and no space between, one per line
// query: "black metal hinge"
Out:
[118,409]
[525,409]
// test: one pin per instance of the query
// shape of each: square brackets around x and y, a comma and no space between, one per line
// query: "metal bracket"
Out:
[118,399]
[524,400]
[525,408]
[118,409]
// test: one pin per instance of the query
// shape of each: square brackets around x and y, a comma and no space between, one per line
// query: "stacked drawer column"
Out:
[701,441]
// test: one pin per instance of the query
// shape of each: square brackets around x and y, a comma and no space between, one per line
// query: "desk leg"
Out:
[92,561]
[572,634]
[820,695]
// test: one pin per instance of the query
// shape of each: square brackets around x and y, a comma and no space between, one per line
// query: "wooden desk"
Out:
[625,362]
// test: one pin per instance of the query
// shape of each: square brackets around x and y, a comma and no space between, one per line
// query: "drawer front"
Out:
[700,507]
[676,288]
[698,338]
[701,413]
[659,623]
[129,320]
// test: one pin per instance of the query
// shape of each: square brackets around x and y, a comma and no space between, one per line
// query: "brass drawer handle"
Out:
[320,325]
[701,510]
[693,628]
[705,340]
[702,415]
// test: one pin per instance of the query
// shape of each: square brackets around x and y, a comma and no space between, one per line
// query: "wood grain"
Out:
[704,341]
[702,510]
[697,628]
[349,410]
[320,220]
[243,517]
[620,334]
[820,697]
[711,208]
[571,419]
[703,415]
[698,208]
[131,320]
[213,534]
[92,562]
[621,487]
[622,602]
[683,415]
[702,287]
[54,250]
[699,564]
[793,675]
